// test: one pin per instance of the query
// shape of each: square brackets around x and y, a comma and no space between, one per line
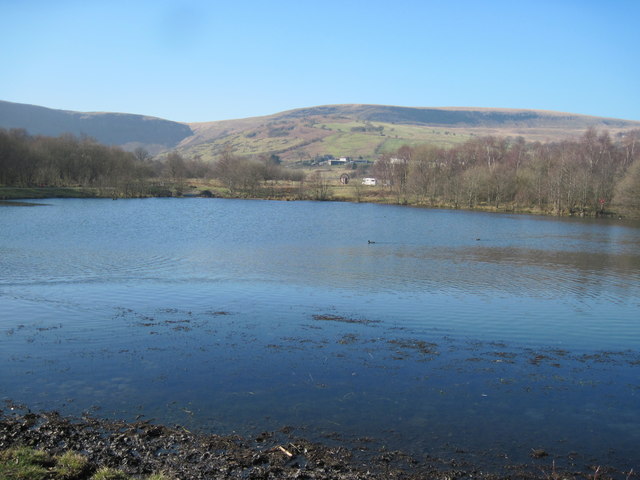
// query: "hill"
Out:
[126,130]
[369,130]
[303,134]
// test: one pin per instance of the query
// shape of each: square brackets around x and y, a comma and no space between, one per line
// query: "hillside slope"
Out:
[126,130]
[305,133]
[368,130]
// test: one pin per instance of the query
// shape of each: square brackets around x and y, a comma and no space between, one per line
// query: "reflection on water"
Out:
[452,331]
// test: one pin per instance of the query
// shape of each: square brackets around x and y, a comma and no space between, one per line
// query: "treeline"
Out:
[247,175]
[27,161]
[583,176]
[593,174]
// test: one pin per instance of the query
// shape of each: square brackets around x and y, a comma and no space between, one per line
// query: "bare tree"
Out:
[142,155]
[319,186]
[175,167]
[627,191]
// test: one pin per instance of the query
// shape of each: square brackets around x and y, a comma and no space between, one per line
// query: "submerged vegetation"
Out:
[594,174]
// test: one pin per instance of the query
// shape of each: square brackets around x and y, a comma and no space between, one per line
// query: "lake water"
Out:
[454,333]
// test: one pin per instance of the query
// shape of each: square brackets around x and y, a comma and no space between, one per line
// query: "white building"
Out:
[369,181]
[397,161]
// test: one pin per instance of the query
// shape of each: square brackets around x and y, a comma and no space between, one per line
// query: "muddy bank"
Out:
[141,448]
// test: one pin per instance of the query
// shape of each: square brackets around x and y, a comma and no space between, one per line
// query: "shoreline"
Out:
[142,447]
[13,196]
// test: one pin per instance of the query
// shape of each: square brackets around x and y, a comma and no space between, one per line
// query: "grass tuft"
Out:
[110,474]
[72,466]
[24,463]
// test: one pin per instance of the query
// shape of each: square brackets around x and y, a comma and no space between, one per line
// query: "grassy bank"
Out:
[26,463]
[23,193]
[288,191]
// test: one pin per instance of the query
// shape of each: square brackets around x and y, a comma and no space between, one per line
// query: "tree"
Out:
[630,147]
[271,164]
[627,191]
[393,172]
[175,167]
[142,155]
[424,171]
[319,186]
[223,169]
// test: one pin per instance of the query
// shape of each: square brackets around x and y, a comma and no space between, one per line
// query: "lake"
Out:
[436,332]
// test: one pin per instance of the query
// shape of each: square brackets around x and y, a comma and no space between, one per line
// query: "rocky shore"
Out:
[140,448]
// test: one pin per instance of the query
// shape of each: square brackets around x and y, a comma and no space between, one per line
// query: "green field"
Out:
[331,138]
[355,130]
[241,145]
[351,144]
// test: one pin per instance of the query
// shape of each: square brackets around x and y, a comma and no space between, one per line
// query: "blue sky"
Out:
[212,60]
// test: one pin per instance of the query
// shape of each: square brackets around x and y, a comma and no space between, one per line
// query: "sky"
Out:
[196,61]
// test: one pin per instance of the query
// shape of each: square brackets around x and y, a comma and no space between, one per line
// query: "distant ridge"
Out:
[126,130]
[454,116]
[305,133]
